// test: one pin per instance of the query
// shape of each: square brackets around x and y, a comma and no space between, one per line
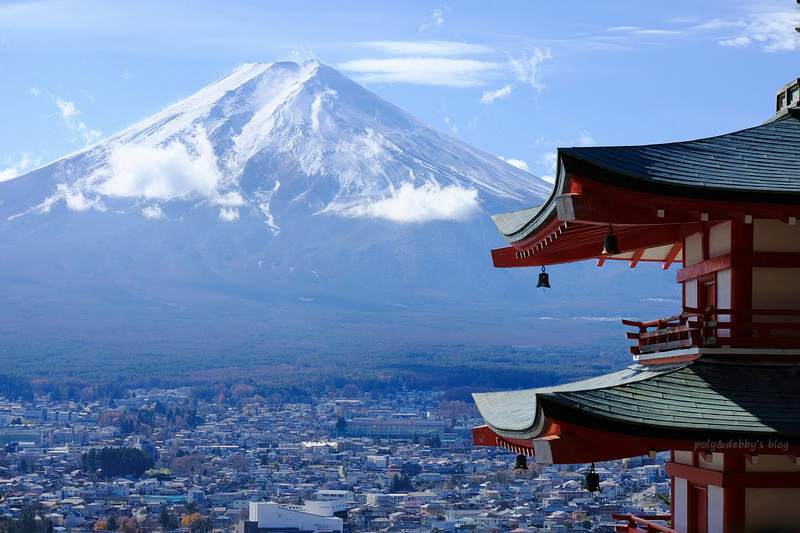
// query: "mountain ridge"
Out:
[285,203]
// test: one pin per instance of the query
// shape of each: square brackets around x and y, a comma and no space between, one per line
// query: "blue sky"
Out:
[514,78]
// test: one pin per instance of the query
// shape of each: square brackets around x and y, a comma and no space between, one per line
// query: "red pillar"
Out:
[741,276]
[733,506]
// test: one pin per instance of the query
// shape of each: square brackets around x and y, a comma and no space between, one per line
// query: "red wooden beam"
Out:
[709,266]
[734,480]
[580,242]
[673,253]
[637,256]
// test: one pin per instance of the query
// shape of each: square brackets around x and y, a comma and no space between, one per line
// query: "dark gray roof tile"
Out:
[703,398]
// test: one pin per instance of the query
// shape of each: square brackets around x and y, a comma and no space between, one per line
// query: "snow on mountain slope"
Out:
[281,207]
[270,136]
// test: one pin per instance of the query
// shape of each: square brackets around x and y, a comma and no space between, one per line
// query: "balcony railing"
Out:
[639,523]
[717,328]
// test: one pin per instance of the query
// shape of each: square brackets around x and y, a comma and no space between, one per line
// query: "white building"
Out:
[265,516]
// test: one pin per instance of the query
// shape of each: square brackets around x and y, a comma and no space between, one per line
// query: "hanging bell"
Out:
[544,280]
[592,480]
[522,463]
[610,246]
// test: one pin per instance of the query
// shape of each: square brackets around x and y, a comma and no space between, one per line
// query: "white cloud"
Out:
[520,164]
[662,300]
[230,199]
[76,201]
[437,19]
[584,139]
[719,24]
[228,214]
[526,70]
[423,71]
[427,48]
[67,108]
[164,172]
[773,31]
[598,318]
[126,75]
[738,42]
[421,204]
[549,161]
[153,211]
[527,67]
[490,96]
[20,166]
[9,173]
[69,116]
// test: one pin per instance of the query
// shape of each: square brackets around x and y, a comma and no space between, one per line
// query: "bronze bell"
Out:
[610,245]
[522,463]
[592,480]
[544,280]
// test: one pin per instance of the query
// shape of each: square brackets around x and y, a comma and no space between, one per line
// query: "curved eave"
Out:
[737,175]
[521,414]
[580,162]
[756,165]
[699,400]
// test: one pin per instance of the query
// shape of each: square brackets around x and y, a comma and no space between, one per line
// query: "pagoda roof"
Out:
[703,399]
[759,164]
[654,195]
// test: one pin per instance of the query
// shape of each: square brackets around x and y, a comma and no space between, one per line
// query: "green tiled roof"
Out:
[759,164]
[707,398]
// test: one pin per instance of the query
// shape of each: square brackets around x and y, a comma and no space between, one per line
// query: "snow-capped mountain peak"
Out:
[269,136]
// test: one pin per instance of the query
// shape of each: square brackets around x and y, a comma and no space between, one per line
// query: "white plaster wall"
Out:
[775,236]
[693,249]
[680,512]
[719,239]
[775,509]
[683,457]
[690,293]
[776,288]
[724,299]
[773,463]
[715,503]
[715,461]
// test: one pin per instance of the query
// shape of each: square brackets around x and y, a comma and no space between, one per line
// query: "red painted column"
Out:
[741,276]
[733,505]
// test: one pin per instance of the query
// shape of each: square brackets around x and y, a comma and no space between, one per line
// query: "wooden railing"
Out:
[639,523]
[717,328]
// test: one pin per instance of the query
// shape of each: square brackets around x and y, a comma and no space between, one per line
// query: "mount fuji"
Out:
[282,208]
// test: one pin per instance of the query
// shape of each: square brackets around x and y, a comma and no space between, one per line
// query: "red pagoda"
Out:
[718,383]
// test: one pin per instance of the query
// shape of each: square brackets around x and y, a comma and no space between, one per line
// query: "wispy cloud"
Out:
[490,96]
[436,19]
[526,71]
[427,48]
[153,211]
[228,214]
[771,31]
[759,25]
[426,203]
[423,70]
[68,113]
[18,165]
[549,160]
